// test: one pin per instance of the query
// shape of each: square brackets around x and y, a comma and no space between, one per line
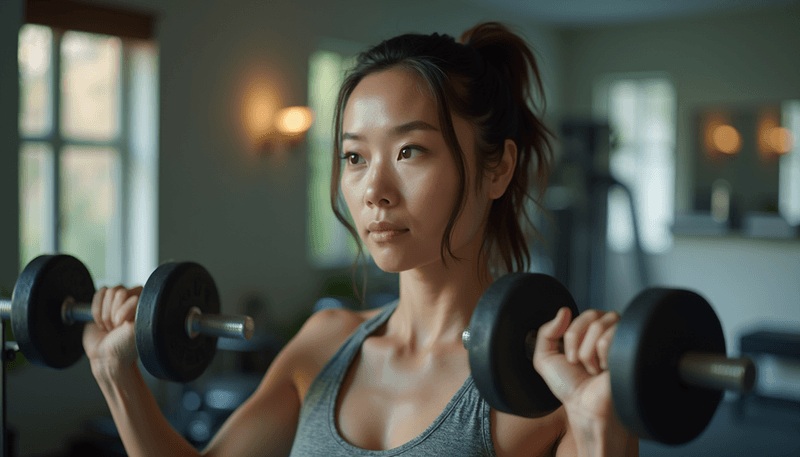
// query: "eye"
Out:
[406,152]
[352,158]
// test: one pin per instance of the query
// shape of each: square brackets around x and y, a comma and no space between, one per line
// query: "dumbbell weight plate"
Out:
[659,326]
[164,346]
[511,307]
[36,320]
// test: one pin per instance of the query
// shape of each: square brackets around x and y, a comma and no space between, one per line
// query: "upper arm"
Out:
[514,435]
[266,423]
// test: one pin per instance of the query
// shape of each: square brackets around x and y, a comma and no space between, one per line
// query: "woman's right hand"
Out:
[109,341]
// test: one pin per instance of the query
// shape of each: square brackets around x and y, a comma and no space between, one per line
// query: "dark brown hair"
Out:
[486,79]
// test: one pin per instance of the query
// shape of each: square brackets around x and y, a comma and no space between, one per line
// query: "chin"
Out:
[389,265]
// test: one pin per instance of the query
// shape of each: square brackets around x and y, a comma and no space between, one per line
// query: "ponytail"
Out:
[516,67]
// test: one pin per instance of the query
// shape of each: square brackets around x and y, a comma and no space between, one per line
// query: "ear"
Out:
[502,174]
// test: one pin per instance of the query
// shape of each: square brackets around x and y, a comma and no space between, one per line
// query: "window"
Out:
[789,184]
[641,113]
[330,245]
[87,126]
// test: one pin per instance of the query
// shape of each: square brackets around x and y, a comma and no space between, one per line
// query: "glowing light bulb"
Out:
[294,120]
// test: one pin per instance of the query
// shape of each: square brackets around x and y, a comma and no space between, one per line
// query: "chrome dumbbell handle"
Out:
[240,327]
[197,323]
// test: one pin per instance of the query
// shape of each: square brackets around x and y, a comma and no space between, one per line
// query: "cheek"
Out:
[350,193]
[434,193]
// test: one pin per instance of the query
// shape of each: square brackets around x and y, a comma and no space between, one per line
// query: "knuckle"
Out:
[596,326]
[592,313]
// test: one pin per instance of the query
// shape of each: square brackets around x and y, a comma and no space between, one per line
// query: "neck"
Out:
[436,302]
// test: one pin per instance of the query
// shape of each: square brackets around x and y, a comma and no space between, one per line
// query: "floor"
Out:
[753,427]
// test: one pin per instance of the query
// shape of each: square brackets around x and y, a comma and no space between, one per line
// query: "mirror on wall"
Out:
[745,171]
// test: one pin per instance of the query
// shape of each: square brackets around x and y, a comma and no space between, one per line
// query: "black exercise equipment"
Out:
[177,321]
[667,359]
[506,318]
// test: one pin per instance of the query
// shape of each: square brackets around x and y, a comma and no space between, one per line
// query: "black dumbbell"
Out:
[667,359]
[177,318]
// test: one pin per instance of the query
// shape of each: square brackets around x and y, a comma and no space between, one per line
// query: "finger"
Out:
[587,353]
[604,345]
[108,306]
[126,312]
[97,305]
[120,299]
[576,331]
[136,291]
[548,337]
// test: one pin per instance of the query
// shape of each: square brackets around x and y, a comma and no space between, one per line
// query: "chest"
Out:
[387,400]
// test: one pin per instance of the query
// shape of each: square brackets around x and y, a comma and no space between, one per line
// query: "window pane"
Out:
[643,114]
[330,244]
[789,180]
[89,194]
[657,110]
[36,201]
[622,110]
[35,76]
[90,84]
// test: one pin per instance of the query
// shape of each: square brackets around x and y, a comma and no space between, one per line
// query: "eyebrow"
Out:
[397,131]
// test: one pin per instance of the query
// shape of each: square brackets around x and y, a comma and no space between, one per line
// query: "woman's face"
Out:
[399,178]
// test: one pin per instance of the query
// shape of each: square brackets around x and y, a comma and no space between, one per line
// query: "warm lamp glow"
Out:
[726,139]
[294,120]
[260,104]
[780,140]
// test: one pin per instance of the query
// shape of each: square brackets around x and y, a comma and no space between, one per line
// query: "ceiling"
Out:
[577,13]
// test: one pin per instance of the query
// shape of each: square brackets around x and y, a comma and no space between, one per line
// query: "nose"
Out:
[381,186]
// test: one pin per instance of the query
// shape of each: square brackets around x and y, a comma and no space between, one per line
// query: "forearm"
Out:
[142,427]
[595,437]
[598,440]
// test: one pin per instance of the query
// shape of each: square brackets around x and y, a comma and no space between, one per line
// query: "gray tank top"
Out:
[462,429]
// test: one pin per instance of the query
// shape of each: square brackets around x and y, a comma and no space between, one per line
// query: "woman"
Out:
[434,143]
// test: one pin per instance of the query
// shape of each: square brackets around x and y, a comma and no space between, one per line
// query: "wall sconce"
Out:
[289,129]
[773,140]
[720,137]
[270,129]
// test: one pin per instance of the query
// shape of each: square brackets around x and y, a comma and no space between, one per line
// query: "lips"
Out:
[384,231]
[385,226]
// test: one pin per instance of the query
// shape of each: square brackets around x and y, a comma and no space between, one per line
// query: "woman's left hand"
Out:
[577,371]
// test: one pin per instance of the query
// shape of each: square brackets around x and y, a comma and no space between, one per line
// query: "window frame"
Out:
[345,252]
[601,110]
[140,262]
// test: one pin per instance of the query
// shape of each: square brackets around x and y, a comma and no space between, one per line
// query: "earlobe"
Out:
[502,175]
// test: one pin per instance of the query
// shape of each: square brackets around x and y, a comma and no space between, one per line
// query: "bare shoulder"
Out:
[515,435]
[319,339]
[268,419]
